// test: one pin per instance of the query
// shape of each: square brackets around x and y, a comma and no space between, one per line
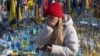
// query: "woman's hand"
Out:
[45,48]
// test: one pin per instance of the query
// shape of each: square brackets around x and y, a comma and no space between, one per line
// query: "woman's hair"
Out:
[57,36]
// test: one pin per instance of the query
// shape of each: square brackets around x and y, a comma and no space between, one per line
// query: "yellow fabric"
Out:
[19,14]
[87,4]
[36,14]
[14,26]
[12,11]
[29,3]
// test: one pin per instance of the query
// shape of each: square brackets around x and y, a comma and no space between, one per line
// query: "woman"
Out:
[58,36]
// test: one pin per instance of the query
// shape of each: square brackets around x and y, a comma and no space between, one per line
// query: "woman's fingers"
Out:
[48,49]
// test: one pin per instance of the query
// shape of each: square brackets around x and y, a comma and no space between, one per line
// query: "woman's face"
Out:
[52,21]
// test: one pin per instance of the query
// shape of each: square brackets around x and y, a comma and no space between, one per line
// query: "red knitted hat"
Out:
[54,9]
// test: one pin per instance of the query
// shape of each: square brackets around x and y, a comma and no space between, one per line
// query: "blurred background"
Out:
[21,21]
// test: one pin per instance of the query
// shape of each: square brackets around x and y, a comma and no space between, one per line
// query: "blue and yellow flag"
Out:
[29,3]
[12,16]
[36,12]
[39,2]
[19,14]
[12,11]
[38,6]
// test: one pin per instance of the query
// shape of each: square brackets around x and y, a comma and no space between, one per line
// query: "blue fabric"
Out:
[19,3]
[8,37]
[39,2]
[74,6]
